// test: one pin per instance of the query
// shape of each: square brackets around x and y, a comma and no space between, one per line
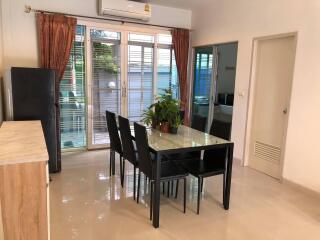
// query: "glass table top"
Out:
[185,138]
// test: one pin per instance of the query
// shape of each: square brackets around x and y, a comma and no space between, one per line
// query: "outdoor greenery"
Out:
[104,56]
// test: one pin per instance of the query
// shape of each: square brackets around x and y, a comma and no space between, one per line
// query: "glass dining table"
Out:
[186,140]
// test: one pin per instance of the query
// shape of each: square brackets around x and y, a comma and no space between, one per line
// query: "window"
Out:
[140,75]
[166,68]
[72,96]
[203,74]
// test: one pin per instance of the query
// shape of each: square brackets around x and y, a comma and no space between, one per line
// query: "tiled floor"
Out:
[86,204]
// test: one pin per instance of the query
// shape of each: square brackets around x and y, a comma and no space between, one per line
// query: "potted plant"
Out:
[175,123]
[149,117]
[164,113]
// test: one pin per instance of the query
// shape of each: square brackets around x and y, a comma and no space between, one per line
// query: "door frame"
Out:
[214,75]
[251,95]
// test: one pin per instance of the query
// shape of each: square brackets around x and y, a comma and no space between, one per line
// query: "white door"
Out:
[273,72]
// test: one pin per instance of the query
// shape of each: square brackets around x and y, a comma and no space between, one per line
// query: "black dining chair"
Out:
[169,170]
[129,152]
[115,143]
[214,160]
[199,122]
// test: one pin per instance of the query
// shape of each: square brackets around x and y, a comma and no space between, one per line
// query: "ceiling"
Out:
[184,4]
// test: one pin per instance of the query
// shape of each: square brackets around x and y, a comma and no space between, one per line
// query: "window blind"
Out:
[167,76]
[105,82]
[140,75]
[72,96]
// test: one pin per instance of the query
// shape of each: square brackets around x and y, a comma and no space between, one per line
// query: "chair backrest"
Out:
[145,161]
[199,122]
[222,130]
[229,99]
[115,143]
[126,139]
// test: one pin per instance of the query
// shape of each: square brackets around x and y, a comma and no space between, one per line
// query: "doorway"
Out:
[273,66]
[214,81]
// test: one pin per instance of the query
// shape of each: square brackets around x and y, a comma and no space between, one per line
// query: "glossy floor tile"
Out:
[87,204]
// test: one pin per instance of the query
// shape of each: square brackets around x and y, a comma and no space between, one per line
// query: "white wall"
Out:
[19,29]
[242,20]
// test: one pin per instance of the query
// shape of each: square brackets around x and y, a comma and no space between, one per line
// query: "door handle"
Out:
[285,111]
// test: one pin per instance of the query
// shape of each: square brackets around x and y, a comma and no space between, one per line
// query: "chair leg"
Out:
[168,192]
[110,163]
[199,193]
[163,188]
[177,188]
[113,162]
[151,199]
[224,186]
[121,173]
[138,191]
[134,182]
[184,195]
[171,188]
[123,170]
[202,185]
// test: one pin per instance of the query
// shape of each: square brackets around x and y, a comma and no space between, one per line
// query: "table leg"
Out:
[156,196]
[227,185]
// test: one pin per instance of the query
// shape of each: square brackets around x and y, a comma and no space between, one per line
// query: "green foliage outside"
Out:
[103,54]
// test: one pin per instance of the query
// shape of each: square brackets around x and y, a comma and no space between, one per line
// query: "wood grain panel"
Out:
[23,191]
[22,142]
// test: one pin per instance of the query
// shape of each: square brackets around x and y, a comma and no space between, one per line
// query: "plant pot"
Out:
[165,127]
[173,130]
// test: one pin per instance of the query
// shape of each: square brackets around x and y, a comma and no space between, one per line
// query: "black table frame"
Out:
[227,175]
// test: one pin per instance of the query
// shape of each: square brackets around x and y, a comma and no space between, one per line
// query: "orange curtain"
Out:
[180,41]
[56,33]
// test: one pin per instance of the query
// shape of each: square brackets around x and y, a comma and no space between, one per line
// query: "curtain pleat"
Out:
[56,33]
[180,42]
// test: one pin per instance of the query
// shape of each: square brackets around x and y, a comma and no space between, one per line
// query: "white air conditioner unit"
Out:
[125,9]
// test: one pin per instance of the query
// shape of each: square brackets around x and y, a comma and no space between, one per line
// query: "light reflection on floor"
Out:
[87,204]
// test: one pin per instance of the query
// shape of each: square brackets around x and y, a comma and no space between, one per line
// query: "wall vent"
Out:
[267,152]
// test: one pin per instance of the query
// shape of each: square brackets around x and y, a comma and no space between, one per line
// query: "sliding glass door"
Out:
[214,81]
[112,69]
[73,117]
[105,82]
[202,86]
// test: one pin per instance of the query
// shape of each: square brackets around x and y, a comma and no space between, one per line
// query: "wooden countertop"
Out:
[22,142]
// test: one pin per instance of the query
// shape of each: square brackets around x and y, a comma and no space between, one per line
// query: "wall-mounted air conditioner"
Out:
[125,9]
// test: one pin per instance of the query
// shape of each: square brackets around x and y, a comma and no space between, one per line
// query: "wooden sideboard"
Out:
[24,181]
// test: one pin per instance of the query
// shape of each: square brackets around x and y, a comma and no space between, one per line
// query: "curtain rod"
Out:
[28,9]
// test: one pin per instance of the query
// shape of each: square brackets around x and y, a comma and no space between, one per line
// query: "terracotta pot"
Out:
[165,127]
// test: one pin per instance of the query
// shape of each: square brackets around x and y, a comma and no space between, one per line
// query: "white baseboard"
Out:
[301,187]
